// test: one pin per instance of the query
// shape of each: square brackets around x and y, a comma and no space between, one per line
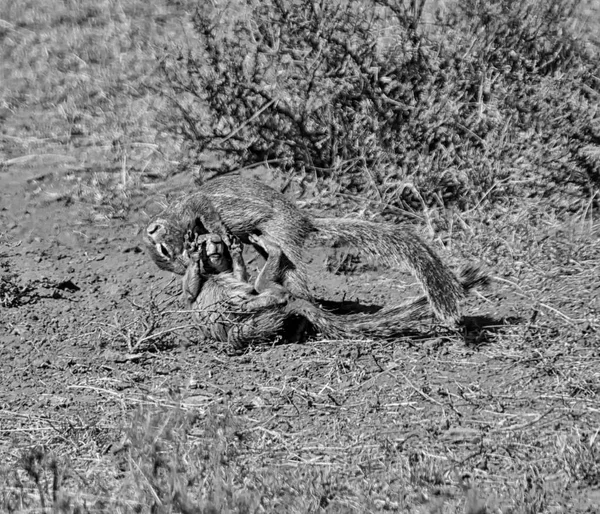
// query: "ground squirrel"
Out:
[243,207]
[229,309]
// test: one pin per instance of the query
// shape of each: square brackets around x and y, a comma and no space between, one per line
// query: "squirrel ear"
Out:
[156,229]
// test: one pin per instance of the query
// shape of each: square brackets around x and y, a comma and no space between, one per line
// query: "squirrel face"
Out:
[164,243]
[169,243]
[218,259]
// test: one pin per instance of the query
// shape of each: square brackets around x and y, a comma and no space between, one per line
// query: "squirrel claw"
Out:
[254,238]
[235,245]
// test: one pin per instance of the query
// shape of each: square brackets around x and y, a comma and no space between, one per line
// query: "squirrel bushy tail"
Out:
[396,245]
[392,321]
[388,322]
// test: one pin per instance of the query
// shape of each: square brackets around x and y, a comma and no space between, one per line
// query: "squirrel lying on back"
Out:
[229,309]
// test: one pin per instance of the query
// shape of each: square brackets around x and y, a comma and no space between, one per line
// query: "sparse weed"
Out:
[13,294]
[157,324]
[182,463]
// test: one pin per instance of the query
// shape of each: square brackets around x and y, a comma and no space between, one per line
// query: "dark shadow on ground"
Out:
[479,330]
[346,307]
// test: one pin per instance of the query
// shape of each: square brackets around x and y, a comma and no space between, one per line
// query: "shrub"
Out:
[495,93]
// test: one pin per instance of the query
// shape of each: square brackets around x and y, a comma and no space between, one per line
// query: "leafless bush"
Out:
[359,92]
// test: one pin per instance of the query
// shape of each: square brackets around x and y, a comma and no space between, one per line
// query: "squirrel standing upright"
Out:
[242,207]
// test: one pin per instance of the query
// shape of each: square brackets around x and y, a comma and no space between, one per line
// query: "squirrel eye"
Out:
[164,250]
[152,229]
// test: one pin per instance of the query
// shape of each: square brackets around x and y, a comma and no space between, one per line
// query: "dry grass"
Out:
[80,88]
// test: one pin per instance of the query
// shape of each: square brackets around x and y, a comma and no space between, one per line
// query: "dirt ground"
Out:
[84,272]
[510,411]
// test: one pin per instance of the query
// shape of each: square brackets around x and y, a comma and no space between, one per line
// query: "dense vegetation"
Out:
[485,100]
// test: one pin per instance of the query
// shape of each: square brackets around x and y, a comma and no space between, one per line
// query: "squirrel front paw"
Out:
[235,246]
[255,239]
[265,242]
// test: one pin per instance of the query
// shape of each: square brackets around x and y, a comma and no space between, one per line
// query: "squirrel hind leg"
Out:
[265,244]
[296,281]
